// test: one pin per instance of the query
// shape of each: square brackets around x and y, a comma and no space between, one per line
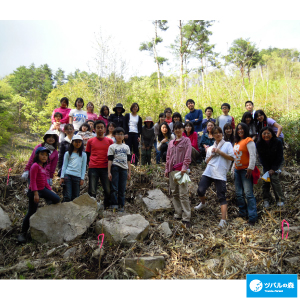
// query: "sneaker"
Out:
[187,224]
[222,223]
[200,206]
[251,223]
[22,238]
[266,204]
[121,209]
[280,203]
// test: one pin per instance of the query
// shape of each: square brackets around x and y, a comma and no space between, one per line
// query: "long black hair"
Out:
[102,110]
[110,123]
[178,115]
[231,137]
[246,115]
[246,132]
[192,125]
[260,125]
[160,136]
[79,151]
[161,115]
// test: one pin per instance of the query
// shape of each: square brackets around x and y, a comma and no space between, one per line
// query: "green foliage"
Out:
[30,266]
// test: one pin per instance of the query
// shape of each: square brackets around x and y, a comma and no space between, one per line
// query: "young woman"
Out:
[133,128]
[64,110]
[50,143]
[110,130]
[104,114]
[228,134]
[78,116]
[73,171]
[178,160]
[244,164]
[270,153]
[207,139]
[168,112]
[190,133]
[161,119]
[164,137]
[38,187]
[261,121]
[90,112]
[218,159]
[175,118]
[147,140]
[247,119]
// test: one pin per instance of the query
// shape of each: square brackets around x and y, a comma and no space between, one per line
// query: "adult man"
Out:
[195,115]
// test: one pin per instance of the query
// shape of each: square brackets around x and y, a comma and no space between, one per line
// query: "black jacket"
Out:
[117,119]
[64,147]
[126,124]
[270,155]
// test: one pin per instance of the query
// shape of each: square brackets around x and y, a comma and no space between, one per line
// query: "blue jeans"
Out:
[94,175]
[245,185]
[49,196]
[157,153]
[71,188]
[118,185]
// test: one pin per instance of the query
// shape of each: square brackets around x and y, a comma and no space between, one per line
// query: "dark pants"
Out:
[71,188]
[133,145]
[49,196]
[146,156]
[276,185]
[157,152]
[205,183]
[94,175]
[163,151]
[118,185]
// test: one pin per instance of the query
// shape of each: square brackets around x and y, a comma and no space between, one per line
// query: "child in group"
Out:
[110,131]
[96,150]
[218,159]
[261,121]
[161,119]
[133,128]
[38,187]
[225,118]
[104,114]
[175,118]
[164,137]
[117,117]
[64,110]
[250,108]
[147,141]
[85,133]
[168,113]
[195,115]
[64,146]
[73,171]
[58,127]
[249,121]
[119,169]
[228,134]
[207,139]
[190,133]
[208,112]
[51,143]
[78,116]
[91,123]
[178,160]
[90,112]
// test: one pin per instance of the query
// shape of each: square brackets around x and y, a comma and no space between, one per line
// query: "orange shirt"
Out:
[241,154]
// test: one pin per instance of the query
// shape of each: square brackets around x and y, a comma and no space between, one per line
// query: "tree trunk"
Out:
[202,73]
[242,73]
[155,55]
[181,55]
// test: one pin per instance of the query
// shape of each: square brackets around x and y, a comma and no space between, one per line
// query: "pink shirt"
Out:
[50,167]
[38,178]
[103,119]
[194,139]
[65,113]
[179,153]
[92,116]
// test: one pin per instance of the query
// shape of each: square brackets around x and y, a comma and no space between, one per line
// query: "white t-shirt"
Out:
[79,117]
[218,166]
[133,123]
[120,152]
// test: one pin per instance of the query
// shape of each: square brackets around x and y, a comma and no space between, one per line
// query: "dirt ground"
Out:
[203,251]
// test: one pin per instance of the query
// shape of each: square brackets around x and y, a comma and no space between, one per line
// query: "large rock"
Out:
[144,267]
[63,222]
[5,222]
[157,201]
[166,228]
[125,229]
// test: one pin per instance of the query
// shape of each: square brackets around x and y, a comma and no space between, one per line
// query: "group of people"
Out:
[109,144]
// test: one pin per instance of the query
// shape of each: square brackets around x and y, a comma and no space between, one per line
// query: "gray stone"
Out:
[211,263]
[63,222]
[96,253]
[157,201]
[166,228]
[123,229]
[293,261]
[144,267]
[5,222]
[70,252]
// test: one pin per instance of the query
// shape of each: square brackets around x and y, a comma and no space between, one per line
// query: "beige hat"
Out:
[148,119]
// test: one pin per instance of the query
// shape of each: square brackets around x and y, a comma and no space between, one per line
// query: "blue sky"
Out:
[67,43]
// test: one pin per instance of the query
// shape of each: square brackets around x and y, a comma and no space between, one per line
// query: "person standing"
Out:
[225,118]
[117,118]
[208,112]
[195,115]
